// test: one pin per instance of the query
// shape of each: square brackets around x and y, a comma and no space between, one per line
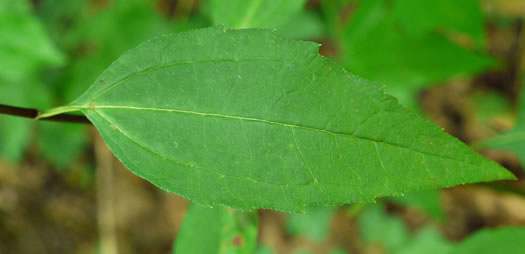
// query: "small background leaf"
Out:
[253,13]
[314,225]
[217,230]
[428,202]
[24,49]
[508,240]
[514,140]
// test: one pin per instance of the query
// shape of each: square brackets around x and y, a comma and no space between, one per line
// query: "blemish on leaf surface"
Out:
[238,241]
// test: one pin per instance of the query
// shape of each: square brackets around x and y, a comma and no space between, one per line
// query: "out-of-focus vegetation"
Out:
[458,63]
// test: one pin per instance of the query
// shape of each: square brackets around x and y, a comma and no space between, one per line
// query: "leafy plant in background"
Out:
[389,233]
[514,140]
[271,124]
[24,48]
[217,230]
[397,44]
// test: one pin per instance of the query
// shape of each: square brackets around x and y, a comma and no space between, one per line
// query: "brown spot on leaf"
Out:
[238,241]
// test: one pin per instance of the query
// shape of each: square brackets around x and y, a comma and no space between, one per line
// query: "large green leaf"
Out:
[250,119]
[217,230]
[253,13]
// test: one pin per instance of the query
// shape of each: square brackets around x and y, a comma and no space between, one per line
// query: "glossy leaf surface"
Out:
[249,119]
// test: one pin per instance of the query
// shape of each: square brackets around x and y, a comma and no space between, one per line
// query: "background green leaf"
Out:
[253,13]
[506,240]
[24,49]
[389,232]
[428,202]
[397,43]
[377,227]
[24,44]
[217,230]
[514,140]
[314,225]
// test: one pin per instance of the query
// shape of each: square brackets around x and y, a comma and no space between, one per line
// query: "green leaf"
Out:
[460,17]
[250,119]
[429,241]
[60,17]
[217,230]
[314,225]
[381,229]
[304,251]
[15,132]
[379,45]
[507,240]
[24,49]
[428,202]
[514,140]
[490,105]
[107,34]
[264,250]
[24,44]
[306,25]
[253,13]
[62,143]
[377,227]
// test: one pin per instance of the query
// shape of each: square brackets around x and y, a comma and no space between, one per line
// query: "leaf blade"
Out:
[249,119]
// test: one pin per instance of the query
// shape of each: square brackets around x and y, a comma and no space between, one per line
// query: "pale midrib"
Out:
[95,107]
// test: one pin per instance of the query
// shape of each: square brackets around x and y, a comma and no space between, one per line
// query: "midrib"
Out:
[96,107]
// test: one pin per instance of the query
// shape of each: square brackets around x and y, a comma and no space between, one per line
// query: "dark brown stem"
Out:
[33,113]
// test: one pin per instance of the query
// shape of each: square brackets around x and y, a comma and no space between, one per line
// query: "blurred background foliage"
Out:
[457,63]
